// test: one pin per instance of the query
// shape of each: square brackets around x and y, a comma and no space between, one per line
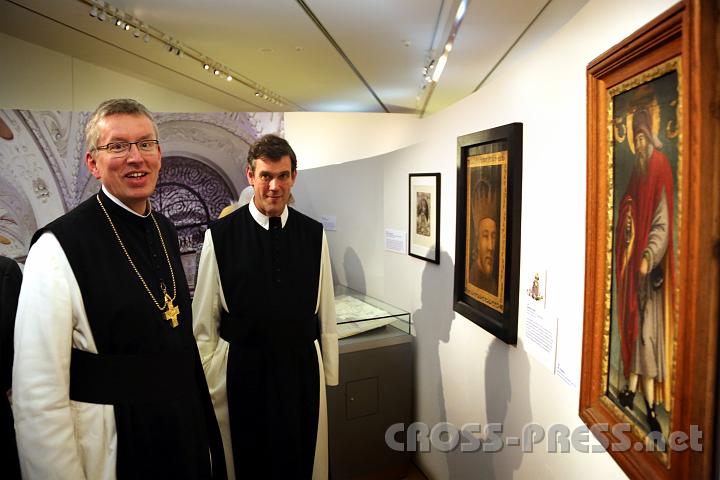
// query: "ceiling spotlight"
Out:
[119,23]
[170,48]
[216,71]
[462,8]
[146,38]
[206,66]
[442,61]
[179,53]
[137,33]
[127,27]
[229,78]
[101,16]
[94,11]
[257,94]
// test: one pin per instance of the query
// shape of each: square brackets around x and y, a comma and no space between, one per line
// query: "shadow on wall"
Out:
[507,391]
[354,272]
[507,400]
[432,322]
[507,406]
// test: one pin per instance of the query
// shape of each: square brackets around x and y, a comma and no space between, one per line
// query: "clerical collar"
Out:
[118,202]
[262,219]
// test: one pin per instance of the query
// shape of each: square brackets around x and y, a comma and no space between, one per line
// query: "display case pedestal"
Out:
[375,392]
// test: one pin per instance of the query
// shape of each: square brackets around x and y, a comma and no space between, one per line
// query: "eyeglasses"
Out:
[121,148]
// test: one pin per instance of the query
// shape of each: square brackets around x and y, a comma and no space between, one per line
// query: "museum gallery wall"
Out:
[464,374]
[42,159]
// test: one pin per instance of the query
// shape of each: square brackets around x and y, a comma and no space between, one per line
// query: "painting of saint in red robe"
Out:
[646,154]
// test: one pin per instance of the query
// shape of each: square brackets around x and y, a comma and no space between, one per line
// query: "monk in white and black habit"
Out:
[107,380]
[264,319]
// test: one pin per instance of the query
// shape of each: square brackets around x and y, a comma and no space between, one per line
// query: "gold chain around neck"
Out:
[132,264]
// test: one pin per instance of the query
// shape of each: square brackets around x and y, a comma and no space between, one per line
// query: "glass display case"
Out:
[357,313]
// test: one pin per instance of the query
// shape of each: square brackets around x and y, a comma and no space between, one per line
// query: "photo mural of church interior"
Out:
[42,160]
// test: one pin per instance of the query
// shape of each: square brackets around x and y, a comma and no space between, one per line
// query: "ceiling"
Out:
[307,55]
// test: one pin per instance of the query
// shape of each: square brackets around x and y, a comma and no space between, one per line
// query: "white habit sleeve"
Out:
[328,324]
[57,437]
[207,302]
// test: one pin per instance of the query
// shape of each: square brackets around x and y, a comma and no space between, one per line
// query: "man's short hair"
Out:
[116,106]
[273,148]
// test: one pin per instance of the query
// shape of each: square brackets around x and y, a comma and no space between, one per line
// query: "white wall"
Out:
[327,138]
[463,374]
[359,227]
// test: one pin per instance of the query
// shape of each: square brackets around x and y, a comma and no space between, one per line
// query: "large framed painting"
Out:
[649,350]
[487,251]
[424,216]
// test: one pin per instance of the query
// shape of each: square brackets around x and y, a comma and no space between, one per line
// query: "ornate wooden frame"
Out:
[686,32]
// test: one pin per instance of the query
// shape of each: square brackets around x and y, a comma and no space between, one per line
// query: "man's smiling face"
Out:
[131,177]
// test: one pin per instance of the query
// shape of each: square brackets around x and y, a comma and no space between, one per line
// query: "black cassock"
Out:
[10,280]
[270,281]
[149,371]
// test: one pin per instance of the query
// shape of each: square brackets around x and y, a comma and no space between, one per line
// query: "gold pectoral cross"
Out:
[171,311]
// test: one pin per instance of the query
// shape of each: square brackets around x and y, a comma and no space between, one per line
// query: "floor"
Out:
[414,473]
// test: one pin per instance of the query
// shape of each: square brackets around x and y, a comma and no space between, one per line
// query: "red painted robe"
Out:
[642,197]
